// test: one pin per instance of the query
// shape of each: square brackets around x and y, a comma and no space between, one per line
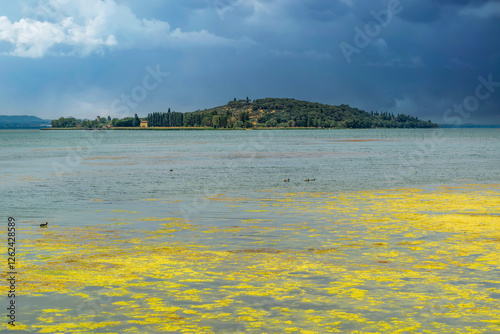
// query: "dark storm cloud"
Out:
[319,10]
[427,57]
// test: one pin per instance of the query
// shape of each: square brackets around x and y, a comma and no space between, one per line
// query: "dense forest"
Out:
[291,113]
[168,119]
[263,113]
[72,122]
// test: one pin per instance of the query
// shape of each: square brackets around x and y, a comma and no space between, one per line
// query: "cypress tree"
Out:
[136,122]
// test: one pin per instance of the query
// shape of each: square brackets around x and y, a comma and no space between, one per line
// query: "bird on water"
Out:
[44,224]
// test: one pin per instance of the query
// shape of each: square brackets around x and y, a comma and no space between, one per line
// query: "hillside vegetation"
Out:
[262,113]
[280,112]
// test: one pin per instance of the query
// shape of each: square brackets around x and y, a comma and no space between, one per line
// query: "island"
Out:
[268,113]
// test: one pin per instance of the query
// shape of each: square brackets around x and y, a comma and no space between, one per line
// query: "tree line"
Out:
[269,112]
[273,112]
[165,119]
[72,122]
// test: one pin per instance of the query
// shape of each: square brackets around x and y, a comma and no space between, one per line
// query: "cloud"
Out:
[83,27]
[311,55]
[457,63]
[315,55]
[413,62]
[404,105]
[417,58]
[485,11]
[423,11]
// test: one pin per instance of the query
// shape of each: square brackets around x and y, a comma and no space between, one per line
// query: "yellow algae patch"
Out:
[169,219]
[56,310]
[411,243]
[221,198]
[385,261]
[124,211]
[430,265]
[467,223]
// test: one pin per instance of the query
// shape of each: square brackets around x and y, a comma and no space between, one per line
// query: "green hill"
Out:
[22,122]
[262,113]
[281,112]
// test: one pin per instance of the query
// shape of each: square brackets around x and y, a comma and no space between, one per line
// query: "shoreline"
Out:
[224,129]
[189,129]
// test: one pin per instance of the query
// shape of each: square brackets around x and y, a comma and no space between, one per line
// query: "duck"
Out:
[44,224]
[307,180]
[287,180]
[313,179]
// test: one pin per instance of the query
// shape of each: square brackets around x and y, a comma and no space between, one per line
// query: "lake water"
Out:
[196,231]
[50,174]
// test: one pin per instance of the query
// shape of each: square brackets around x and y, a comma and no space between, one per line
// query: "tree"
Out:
[216,121]
[231,121]
[239,124]
[136,122]
[124,123]
[272,123]
[207,120]
[62,122]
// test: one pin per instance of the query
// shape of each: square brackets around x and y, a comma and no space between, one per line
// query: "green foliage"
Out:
[269,112]
[62,122]
[71,122]
[136,122]
[239,125]
[127,122]
[290,113]
[165,119]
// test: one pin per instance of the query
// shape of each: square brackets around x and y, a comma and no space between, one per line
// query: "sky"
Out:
[438,60]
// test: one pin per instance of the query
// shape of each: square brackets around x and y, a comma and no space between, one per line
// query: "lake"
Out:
[386,230]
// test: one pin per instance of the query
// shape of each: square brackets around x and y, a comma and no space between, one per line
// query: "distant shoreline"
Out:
[441,126]
[192,129]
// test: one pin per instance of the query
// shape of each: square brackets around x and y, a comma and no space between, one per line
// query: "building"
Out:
[98,118]
[144,124]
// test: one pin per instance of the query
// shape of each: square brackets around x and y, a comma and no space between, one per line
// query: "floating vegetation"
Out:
[388,261]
